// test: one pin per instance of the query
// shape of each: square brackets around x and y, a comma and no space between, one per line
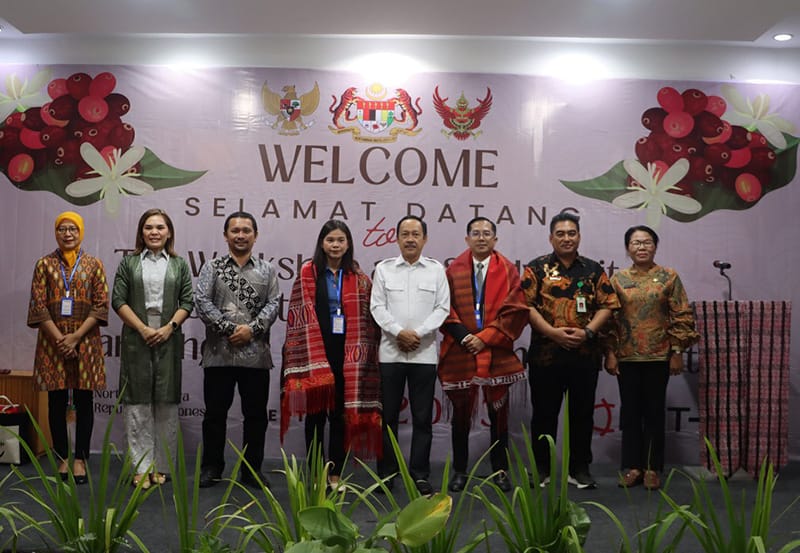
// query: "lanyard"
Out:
[478,299]
[339,294]
[478,292]
[68,283]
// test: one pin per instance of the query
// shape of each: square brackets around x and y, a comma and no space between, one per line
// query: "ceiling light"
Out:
[782,37]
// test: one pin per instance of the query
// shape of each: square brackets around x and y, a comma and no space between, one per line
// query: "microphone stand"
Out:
[730,293]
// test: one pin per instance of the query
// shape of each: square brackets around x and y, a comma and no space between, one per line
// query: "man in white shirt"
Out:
[410,301]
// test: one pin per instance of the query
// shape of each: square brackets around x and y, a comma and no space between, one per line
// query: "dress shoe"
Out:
[256,480]
[156,478]
[501,481]
[651,480]
[582,479]
[63,471]
[209,477]
[424,487]
[633,477]
[388,482]
[79,472]
[335,484]
[544,480]
[141,480]
[458,483]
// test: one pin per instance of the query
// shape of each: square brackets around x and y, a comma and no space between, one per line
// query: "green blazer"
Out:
[151,375]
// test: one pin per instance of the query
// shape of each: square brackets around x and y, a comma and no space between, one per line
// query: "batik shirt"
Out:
[655,315]
[554,289]
[228,295]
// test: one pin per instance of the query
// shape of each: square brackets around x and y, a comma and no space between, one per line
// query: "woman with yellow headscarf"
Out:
[68,304]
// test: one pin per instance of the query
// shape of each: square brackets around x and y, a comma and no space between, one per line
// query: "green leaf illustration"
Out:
[159,175]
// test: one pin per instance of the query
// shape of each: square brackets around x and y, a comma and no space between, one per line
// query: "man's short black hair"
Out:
[241,215]
[477,220]
[413,218]
[565,216]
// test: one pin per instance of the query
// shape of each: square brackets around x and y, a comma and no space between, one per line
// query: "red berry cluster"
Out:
[689,125]
[83,109]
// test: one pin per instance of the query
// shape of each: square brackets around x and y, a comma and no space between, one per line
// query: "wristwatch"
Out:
[174,325]
[589,333]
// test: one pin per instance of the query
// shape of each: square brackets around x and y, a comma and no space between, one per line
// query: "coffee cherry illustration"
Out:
[653,118]
[93,109]
[678,124]
[748,187]
[118,104]
[739,158]
[694,101]
[78,85]
[716,105]
[740,137]
[102,85]
[20,167]
[670,99]
[57,88]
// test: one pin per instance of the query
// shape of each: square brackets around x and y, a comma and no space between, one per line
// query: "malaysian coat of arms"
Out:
[377,118]
[290,109]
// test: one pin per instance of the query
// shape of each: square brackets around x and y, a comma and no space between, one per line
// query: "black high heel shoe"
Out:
[63,471]
[80,478]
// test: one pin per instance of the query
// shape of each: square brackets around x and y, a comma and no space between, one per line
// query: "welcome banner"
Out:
[712,166]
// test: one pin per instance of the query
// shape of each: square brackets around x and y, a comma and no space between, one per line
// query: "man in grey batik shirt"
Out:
[237,297]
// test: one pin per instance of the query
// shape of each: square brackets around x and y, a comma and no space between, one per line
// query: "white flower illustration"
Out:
[116,176]
[652,190]
[20,95]
[754,115]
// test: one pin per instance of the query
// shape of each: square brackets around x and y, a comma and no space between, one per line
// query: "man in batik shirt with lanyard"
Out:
[570,300]
[237,298]
[487,313]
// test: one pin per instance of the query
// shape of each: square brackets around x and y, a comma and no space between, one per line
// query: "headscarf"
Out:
[71,256]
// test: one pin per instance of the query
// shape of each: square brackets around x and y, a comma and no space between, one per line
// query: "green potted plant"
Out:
[113,505]
[731,533]
[663,535]
[538,516]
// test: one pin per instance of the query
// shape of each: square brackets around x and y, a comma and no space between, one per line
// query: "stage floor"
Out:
[635,507]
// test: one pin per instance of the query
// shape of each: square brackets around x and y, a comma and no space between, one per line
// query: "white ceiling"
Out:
[745,22]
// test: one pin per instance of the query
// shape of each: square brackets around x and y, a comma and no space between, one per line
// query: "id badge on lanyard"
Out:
[337,319]
[580,299]
[67,302]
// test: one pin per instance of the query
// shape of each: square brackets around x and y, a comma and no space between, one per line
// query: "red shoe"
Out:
[632,478]
[651,480]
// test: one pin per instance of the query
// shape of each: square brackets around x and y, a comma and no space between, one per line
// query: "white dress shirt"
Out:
[414,297]
[154,269]
[485,266]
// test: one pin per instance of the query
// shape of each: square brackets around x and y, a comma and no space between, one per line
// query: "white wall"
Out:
[494,55]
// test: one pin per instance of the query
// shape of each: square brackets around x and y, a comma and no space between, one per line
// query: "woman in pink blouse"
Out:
[653,328]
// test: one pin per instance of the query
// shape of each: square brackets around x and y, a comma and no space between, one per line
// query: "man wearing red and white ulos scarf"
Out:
[487,313]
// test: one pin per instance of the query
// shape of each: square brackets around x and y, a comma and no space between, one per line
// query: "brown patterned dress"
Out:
[90,293]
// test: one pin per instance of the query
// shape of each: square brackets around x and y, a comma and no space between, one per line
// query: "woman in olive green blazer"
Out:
[153,297]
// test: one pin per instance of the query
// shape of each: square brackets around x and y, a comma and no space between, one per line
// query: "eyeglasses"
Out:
[642,243]
[67,230]
[481,234]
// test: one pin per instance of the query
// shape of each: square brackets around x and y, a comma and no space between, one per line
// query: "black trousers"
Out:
[421,380]
[84,421]
[334,350]
[218,388]
[569,373]
[460,425]
[643,398]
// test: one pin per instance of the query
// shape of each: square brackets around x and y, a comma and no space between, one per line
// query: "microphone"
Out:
[721,265]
